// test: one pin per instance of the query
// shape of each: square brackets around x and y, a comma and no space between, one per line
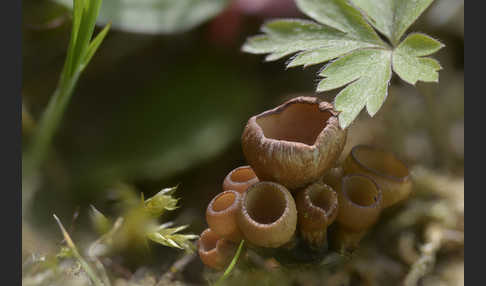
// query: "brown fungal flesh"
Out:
[268,216]
[295,143]
[333,177]
[317,208]
[221,215]
[214,251]
[391,174]
[240,179]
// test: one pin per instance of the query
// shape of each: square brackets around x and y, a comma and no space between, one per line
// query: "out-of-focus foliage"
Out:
[80,51]
[156,16]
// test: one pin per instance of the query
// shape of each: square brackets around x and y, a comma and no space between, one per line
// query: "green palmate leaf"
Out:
[340,15]
[156,16]
[367,72]
[393,17]
[409,63]
[364,61]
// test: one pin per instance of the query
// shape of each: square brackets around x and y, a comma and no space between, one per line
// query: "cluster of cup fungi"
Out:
[293,189]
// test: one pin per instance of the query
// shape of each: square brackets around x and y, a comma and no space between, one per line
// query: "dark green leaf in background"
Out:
[156,16]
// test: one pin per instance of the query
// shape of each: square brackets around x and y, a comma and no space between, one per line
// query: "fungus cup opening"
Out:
[361,191]
[324,199]
[208,241]
[268,215]
[221,215]
[287,124]
[240,179]
[214,251]
[223,202]
[258,206]
[380,162]
[242,174]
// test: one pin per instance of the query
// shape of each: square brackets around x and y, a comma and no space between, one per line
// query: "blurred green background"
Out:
[168,106]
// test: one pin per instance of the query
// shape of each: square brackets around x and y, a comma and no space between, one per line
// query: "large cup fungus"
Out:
[295,143]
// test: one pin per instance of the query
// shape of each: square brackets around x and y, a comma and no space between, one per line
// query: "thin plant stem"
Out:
[84,264]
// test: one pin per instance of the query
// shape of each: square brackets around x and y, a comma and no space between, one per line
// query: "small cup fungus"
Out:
[268,216]
[385,168]
[240,179]
[214,251]
[317,207]
[221,215]
[360,203]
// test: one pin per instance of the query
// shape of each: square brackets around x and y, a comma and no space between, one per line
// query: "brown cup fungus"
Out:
[295,143]
[240,179]
[214,251]
[317,208]
[360,203]
[221,215]
[391,174]
[268,216]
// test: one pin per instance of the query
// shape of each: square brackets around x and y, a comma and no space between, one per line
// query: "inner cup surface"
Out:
[208,241]
[265,204]
[322,198]
[224,201]
[360,190]
[242,175]
[298,122]
[381,161]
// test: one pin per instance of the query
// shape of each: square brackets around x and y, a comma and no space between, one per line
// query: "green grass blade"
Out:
[86,267]
[78,8]
[94,45]
[230,267]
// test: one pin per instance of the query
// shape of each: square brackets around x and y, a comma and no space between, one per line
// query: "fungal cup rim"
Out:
[333,206]
[232,207]
[244,209]
[399,179]
[376,204]
[322,106]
